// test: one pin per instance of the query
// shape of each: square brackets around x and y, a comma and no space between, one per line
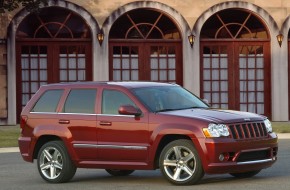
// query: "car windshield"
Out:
[168,98]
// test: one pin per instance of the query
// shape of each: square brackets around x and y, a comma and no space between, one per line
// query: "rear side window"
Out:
[80,101]
[48,101]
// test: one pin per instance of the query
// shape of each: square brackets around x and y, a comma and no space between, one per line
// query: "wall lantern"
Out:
[100,37]
[191,39]
[280,39]
[2,41]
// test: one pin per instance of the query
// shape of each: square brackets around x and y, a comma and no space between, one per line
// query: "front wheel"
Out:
[180,163]
[245,174]
[119,172]
[54,163]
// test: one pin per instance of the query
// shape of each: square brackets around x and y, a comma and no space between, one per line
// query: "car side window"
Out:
[80,101]
[48,101]
[112,100]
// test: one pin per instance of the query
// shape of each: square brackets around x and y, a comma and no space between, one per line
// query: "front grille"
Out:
[248,130]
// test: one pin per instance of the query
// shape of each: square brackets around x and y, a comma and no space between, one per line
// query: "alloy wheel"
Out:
[51,163]
[179,163]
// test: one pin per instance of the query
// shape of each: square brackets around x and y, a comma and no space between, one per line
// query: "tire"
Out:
[245,174]
[54,163]
[119,172]
[180,163]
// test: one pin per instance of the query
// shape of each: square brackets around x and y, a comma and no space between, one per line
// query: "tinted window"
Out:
[48,101]
[168,98]
[112,100]
[80,101]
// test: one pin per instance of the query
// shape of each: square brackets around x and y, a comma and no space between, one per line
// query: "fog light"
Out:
[221,157]
[224,157]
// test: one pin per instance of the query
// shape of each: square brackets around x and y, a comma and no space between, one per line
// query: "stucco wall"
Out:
[189,9]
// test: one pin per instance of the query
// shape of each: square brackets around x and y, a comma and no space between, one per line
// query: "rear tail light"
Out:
[23,120]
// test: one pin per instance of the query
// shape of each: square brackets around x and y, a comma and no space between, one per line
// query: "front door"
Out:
[121,138]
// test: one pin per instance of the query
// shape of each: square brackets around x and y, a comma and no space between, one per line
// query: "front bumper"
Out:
[227,155]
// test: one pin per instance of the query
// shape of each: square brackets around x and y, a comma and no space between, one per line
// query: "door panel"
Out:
[215,74]
[125,63]
[121,137]
[253,78]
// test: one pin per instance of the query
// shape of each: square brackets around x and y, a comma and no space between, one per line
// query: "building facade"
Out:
[234,61]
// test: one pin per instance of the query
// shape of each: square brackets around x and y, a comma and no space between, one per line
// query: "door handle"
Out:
[61,121]
[105,123]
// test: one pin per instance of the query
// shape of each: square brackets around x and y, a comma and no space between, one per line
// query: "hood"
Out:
[216,115]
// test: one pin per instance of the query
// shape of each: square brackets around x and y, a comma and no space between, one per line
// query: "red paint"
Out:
[132,141]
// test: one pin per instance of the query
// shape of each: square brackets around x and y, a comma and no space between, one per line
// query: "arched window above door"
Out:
[144,24]
[145,44]
[62,23]
[234,24]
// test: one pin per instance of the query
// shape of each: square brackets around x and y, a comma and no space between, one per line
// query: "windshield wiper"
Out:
[165,110]
[174,109]
[195,107]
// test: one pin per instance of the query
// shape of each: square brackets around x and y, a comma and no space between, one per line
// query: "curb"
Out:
[9,150]
[16,149]
[283,135]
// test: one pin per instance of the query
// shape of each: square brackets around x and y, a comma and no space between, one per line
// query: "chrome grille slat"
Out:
[248,130]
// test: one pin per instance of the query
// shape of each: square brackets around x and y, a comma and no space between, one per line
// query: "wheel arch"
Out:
[47,133]
[163,142]
[43,140]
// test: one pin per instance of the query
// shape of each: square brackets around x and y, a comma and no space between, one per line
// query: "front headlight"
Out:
[268,126]
[216,130]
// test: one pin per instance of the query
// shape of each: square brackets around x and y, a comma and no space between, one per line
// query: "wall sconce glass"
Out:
[191,39]
[2,41]
[280,39]
[100,37]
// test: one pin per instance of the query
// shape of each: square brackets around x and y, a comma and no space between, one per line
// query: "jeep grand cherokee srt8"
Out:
[127,126]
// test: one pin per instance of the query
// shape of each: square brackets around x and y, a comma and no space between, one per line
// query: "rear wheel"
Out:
[119,172]
[245,174]
[180,163]
[54,163]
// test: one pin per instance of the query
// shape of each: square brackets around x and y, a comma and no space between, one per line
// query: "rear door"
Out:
[78,114]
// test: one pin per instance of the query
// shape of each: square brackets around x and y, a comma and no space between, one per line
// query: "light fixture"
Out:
[191,39]
[280,39]
[2,41]
[100,37]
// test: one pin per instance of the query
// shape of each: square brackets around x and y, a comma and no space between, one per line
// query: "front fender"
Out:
[173,129]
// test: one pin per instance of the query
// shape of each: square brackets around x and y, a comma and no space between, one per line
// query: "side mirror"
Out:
[129,110]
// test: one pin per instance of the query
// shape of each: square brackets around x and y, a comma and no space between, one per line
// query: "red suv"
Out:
[127,126]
